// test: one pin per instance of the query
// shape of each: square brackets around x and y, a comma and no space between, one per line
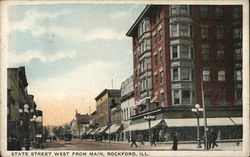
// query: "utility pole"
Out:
[204,115]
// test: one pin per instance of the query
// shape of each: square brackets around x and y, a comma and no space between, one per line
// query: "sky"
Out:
[71,52]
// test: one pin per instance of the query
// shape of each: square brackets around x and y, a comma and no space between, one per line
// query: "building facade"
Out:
[185,55]
[24,120]
[103,103]
[127,104]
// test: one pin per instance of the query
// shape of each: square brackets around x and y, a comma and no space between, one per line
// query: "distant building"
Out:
[104,102]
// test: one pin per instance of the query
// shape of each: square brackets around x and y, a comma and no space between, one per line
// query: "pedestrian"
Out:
[153,140]
[133,140]
[214,137]
[209,139]
[175,142]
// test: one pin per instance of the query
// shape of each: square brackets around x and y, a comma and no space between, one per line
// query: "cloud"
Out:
[29,55]
[31,18]
[102,33]
[31,23]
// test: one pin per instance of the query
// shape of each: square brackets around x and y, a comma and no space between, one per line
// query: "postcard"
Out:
[125,78]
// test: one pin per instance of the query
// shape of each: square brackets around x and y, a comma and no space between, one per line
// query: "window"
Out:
[175,74]
[147,25]
[205,51]
[221,75]
[161,55]
[183,30]
[173,10]
[183,10]
[154,38]
[184,51]
[161,77]
[185,74]
[156,59]
[176,97]
[220,31]
[219,11]
[156,78]
[238,54]
[174,52]
[220,51]
[204,11]
[207,97]
[204,32]
[238,75]
[237,33]
[222,97]
[186,97]
[238,95]
[237,12]
[160,35]
[162,97]
[206,75]
[174,30]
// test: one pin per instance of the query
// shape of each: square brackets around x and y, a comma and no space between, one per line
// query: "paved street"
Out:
[92,145]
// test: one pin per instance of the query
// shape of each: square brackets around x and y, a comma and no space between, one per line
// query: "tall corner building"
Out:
[185,55]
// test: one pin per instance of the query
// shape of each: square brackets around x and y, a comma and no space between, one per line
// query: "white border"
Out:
[4,64]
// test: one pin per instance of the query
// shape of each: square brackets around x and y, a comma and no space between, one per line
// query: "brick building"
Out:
[182,51]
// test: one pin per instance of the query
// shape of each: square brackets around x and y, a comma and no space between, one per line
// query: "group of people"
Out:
[211,140]
[153,140]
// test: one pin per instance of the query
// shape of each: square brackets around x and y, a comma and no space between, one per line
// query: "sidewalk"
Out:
[223,145]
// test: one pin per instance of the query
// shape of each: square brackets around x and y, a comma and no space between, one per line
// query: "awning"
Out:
[154,100]
[190,122]
[94,131]
[101,130]
[113,129]
[145,125]
[142,101]
[89,131]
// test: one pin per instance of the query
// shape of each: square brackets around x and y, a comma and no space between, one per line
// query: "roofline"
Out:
[104,92]
[137,20]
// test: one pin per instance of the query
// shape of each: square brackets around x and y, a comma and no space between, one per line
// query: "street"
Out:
[93,145]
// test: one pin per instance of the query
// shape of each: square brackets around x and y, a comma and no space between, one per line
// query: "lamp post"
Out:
[26,113]
[149,119]
[196,110]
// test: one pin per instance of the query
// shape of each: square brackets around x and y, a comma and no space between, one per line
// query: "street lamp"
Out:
[197,111]
[149,119]
[26,112]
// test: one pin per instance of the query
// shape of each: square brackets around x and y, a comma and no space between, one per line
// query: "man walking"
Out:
[175,142]
[213,138]
[133,140]
[153,140]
